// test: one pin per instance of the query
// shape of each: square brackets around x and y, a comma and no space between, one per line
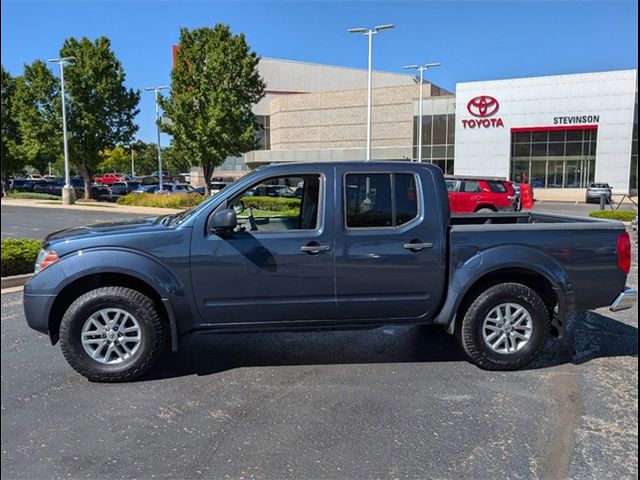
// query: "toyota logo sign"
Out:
[483,106]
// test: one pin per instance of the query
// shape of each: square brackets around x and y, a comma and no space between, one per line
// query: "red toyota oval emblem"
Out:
[483,106]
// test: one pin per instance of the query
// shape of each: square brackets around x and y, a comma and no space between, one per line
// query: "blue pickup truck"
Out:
[362,245]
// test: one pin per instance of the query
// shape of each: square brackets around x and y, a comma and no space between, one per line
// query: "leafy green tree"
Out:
[214,85]
[115,160]
[145,157]
[101,109]
[12,162]
[38,113]
[175,161]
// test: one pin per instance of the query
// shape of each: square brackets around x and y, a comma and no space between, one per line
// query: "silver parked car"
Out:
[595,190]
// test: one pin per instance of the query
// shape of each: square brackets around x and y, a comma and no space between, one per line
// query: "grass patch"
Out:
[19,256]
[33,196]
[161,201]
[622,215]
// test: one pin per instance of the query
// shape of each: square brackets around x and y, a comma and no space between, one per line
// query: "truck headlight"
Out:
[45,258]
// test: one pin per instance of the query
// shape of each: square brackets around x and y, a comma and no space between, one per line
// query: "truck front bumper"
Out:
[626,299]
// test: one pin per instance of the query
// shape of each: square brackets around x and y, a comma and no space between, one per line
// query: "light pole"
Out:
[157,95]
[68,194]
[421,69]
[370,32]
[133,168]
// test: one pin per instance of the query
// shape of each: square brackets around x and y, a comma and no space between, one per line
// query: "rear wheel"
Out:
[112,334]
[485,210]
[505,327]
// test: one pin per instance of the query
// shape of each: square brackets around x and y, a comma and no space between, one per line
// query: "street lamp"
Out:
[421,69]
[68,194]
[133,168]
[370,33]
[157,95]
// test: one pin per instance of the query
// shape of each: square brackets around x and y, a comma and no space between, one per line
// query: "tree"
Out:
[115,160]
[101,109]
[174,160]
[12,162]
[214,85]
[37,111]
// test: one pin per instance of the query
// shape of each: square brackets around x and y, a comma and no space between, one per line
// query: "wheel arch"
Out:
[86,283]
[528,277]
[487,206]
[507,264]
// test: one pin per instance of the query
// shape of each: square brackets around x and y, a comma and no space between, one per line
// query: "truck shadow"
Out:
[589,336]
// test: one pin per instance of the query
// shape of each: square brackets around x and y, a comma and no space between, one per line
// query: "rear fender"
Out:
[469,272]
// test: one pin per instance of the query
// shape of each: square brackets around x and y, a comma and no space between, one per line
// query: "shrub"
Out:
[161,201]
[274,204]
[19,256]
[33,195]
[622,215]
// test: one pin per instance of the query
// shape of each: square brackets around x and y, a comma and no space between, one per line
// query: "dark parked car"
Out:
[596,190]
[369,244]
[123,188]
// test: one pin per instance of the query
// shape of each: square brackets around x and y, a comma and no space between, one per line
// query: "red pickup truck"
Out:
[481,194]
[109,178]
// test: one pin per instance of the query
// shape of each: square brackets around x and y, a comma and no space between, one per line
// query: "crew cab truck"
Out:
[363,245]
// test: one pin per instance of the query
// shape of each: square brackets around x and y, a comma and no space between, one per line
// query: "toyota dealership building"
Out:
[559,132]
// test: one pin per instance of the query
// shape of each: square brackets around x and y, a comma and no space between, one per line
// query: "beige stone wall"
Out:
[338,119]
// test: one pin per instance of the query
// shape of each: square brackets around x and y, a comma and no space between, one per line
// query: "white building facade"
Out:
[562,131]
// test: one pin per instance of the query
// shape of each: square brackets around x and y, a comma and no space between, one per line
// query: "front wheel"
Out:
[505,327]
[112,334]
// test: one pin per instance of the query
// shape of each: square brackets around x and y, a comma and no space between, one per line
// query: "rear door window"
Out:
[374,200]
[469,186]
[497,187]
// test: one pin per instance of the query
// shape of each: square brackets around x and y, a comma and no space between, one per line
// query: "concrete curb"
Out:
[15,280]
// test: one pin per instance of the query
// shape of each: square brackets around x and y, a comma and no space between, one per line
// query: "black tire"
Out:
[470,335]
[141,307]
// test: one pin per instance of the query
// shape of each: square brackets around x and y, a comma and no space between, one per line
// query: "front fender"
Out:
[465,273]
[134,263]
[43,288]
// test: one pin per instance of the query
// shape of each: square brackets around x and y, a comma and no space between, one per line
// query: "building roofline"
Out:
[337,67]
[626,70]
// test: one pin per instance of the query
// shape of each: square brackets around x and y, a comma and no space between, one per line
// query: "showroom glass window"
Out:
[438,132]
[554,158]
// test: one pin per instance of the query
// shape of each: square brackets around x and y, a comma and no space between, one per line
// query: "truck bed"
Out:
[527,221]
[584,248]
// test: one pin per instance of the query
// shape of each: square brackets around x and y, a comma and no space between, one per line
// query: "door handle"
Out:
[315,248]
[417,246]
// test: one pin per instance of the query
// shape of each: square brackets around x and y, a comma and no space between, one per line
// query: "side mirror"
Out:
[223,221]
[239,207]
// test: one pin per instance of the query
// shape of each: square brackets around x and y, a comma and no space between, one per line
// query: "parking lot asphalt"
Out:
[394,402]
[36,222]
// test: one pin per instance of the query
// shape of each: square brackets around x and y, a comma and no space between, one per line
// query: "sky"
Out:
[472,40]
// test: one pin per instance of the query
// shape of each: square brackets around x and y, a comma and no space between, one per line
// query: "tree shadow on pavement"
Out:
[589,336]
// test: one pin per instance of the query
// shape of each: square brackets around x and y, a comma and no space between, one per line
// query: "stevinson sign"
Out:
[483,107]
[576,120]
